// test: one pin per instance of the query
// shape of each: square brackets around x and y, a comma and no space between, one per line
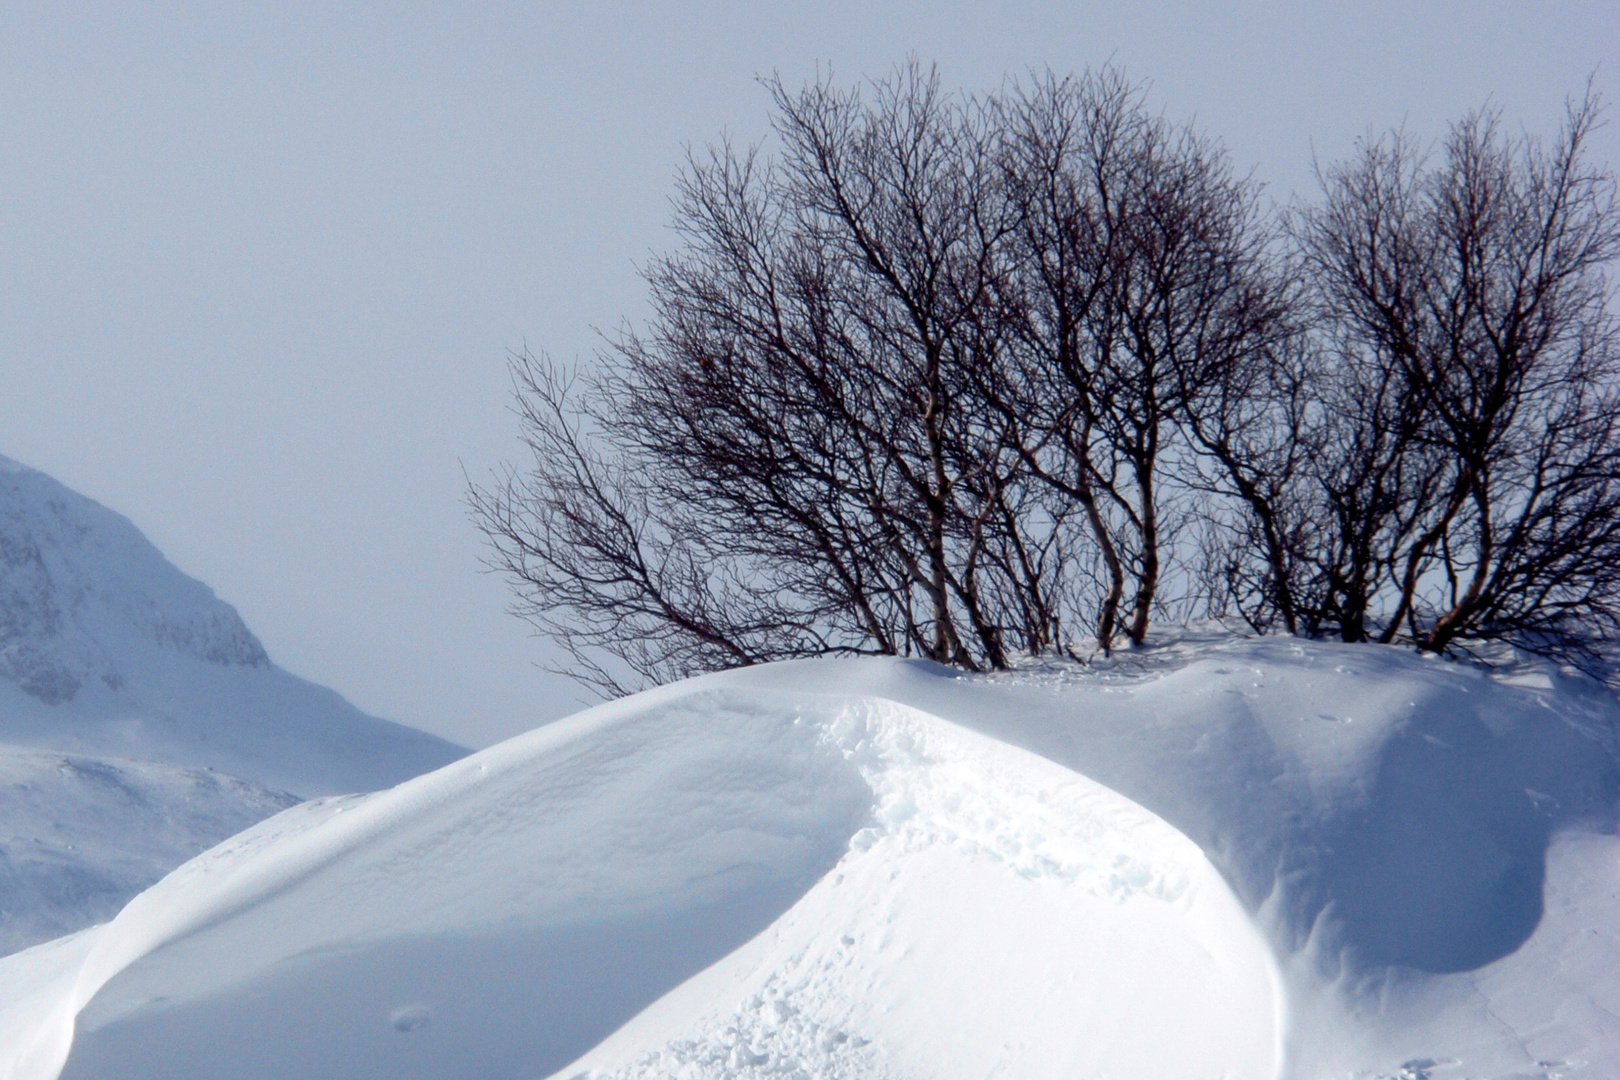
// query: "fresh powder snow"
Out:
[1218,858]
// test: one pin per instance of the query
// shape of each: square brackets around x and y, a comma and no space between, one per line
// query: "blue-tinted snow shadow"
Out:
[1438,866]
[500,1006]
[1442,867]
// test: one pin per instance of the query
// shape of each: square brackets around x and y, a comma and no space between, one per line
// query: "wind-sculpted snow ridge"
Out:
[999,915]
[107,650]
[1234,858]
[858,888]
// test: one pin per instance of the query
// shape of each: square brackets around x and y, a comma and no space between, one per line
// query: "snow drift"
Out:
[1238,859]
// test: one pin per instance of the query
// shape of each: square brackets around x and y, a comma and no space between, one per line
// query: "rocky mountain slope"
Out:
[140,719]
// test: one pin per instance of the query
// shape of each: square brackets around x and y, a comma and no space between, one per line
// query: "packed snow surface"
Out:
[141,722]
[1239,859]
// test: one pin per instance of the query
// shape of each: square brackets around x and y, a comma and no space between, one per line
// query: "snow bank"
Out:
[930,900]
[1227,858]
[1430,848]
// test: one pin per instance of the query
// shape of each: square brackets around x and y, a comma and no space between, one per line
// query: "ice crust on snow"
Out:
[1219,858]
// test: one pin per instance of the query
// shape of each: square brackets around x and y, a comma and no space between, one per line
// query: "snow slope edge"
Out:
[930,820]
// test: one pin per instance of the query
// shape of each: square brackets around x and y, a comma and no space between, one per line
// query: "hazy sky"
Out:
[261,263]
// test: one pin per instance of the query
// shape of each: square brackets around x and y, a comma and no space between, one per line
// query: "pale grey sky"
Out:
[261,263]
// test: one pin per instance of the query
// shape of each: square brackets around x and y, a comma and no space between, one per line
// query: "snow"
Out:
[141,722]
[1219,858]
[79,836]
[107,650]
[945,942]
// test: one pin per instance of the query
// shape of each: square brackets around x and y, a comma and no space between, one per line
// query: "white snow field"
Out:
[1228,858]
[140,720]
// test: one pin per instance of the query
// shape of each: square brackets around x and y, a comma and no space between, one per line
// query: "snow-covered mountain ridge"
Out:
[1247,859]
[140,719]
[107,649]
[78,582]
[79,836]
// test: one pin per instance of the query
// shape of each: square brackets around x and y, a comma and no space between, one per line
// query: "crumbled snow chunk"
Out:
[410,1017]
[768,1039]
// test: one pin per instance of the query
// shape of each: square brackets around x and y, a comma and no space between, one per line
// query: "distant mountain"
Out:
[107,649]
[79,836]
[141,722]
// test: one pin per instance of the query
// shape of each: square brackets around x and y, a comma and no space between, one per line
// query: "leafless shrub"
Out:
[1471,481]
[965,378]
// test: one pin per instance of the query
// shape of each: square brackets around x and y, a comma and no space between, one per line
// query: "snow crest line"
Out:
[256,863]
[885,868]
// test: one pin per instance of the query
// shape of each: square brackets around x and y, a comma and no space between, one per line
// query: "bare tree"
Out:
[1475,476]
[1257,432]
[795,434]
[962,378]
[610,567]
[1142,290]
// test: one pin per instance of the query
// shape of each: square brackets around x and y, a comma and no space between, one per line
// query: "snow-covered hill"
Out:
[79,836]
[1239,859]
[140,721]
[106,649]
